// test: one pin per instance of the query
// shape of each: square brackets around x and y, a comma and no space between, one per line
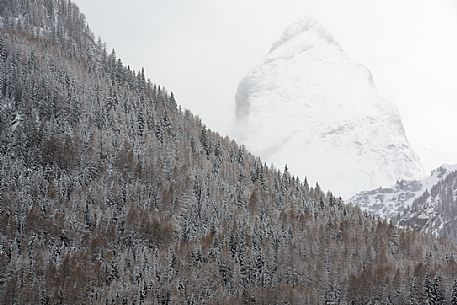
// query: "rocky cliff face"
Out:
[310,106]
[428,205]
[111,194]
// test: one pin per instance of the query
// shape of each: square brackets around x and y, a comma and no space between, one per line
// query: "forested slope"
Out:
[111,194]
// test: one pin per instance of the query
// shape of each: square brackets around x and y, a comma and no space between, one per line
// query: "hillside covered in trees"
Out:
[110,193]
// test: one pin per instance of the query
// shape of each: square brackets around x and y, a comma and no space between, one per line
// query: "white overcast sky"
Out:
[200,50]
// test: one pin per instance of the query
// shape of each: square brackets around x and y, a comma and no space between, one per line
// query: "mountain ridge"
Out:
[426,205]
[307,24]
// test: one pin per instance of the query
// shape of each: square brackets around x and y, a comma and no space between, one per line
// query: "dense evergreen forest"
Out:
[110,193]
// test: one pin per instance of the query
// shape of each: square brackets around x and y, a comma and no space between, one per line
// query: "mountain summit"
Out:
[309,105]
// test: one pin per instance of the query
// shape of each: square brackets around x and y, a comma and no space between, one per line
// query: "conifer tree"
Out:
[454,293]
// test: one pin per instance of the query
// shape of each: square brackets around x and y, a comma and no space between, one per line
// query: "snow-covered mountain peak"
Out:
[310,106]
[308,29]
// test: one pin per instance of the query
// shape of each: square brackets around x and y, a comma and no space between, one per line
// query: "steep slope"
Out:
[111,194]
[428,205]
[389,202]
[309,101]
[436,210]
